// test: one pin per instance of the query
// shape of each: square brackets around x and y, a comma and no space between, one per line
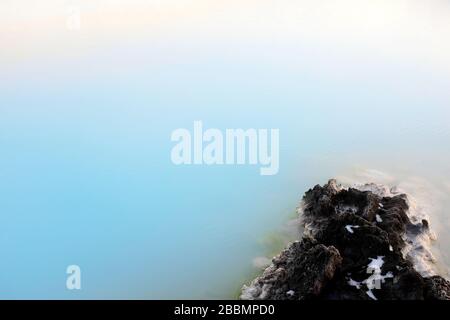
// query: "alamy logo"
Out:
[233,146]
[73,281]
[73,22]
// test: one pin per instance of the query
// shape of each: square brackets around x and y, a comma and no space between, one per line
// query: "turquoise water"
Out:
[86,117]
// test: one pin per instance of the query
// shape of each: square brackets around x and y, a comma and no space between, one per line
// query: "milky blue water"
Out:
[85,171]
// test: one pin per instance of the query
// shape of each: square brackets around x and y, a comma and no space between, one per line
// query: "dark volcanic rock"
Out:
[351,250]
[299,272]
[437,288]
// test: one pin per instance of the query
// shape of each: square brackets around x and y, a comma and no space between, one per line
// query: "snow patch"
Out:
[376,264]
[350,228]
[371,295]
[290,293]
[354,283]
[375,280]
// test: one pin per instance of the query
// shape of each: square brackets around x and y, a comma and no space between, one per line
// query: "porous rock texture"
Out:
[351,249]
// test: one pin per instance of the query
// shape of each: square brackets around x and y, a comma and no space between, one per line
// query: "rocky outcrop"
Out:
[299,272]
[437,288]
[353,248]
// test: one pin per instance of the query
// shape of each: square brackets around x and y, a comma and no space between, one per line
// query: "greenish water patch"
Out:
[273,243]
